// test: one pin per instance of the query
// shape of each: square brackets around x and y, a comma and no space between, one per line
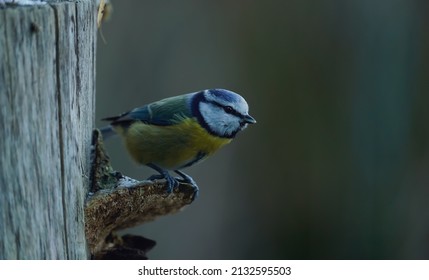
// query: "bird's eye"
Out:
[228,109]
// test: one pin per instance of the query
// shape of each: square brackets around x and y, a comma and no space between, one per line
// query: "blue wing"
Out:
[164,112]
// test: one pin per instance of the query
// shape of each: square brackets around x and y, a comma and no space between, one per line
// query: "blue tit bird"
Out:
[180,131]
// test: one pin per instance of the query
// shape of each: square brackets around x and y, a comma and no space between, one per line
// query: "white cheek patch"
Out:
[218,121]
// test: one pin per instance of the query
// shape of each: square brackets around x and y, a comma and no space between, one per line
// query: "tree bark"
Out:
[118,202]
[47,94]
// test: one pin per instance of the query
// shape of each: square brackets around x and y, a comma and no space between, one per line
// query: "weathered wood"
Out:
[47,91]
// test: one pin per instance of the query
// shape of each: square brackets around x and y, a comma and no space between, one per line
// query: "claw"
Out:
[171,181]
[188,179]
[174,182]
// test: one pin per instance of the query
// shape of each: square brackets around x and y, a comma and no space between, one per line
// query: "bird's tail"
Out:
[107,132]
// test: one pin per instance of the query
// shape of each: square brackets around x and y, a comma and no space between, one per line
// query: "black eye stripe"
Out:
[230,110]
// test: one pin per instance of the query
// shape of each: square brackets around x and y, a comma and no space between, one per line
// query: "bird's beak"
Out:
[249,119]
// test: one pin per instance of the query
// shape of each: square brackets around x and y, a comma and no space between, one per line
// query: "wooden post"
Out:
[47,92]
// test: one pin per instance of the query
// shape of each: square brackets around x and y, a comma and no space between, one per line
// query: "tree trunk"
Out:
[47,92]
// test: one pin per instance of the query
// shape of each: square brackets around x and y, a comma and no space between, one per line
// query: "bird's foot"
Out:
[171,181]
[174,182]
[185,178]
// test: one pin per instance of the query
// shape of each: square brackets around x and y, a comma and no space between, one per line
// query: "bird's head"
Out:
[221,112]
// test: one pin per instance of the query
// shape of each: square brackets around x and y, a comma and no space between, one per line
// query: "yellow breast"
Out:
[170,147]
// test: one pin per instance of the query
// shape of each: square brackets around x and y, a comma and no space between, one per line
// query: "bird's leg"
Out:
[171,181]
[188,179]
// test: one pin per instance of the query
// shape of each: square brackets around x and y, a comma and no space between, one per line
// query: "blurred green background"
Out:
[337,166]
